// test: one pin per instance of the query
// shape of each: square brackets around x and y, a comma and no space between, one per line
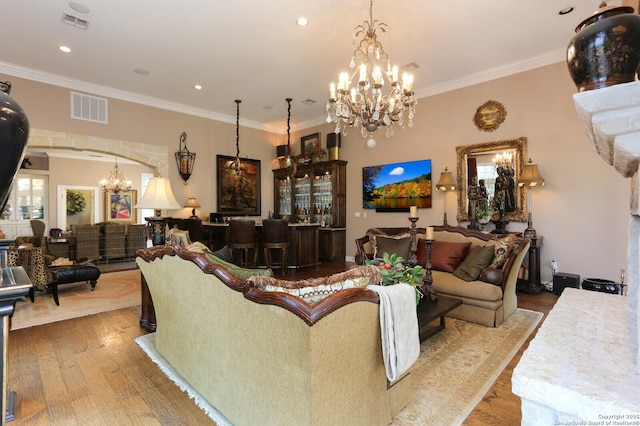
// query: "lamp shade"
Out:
[193,203]
[446,182]
[530,175]
[158,196]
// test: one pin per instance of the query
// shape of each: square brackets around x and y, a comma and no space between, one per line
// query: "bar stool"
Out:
[242,236]
[275,236]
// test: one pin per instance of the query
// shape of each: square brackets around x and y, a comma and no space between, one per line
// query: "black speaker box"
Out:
[562,281]
[333,140]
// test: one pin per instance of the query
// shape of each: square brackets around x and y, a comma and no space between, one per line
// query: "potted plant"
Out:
[394,270]
[484,212]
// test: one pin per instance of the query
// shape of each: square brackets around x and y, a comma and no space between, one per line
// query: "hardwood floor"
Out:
[89,371]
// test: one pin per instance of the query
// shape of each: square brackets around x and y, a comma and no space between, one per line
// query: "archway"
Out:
[154,156]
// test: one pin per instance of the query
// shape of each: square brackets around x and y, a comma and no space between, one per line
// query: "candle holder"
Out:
[427,288]
[413,247]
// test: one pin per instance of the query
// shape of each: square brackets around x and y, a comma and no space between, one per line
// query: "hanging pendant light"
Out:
[235,164]
[289,164]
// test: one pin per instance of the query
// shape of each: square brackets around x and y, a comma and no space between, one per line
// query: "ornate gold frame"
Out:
[463,152]
[489,116]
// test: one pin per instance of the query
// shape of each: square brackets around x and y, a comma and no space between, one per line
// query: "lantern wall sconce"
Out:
[185,159]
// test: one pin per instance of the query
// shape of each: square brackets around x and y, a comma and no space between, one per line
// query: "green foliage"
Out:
[394,270]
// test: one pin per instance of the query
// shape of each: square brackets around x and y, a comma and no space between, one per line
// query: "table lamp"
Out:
[530,177]
[194,204]
[158,196]
[446,183]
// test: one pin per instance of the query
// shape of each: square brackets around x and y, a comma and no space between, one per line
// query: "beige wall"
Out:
[582,211]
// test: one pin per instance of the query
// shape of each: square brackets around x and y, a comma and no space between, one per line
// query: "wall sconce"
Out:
[446,183]
[185,159]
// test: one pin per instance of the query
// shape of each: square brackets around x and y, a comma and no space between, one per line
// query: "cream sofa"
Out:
[487,303]
[264,357]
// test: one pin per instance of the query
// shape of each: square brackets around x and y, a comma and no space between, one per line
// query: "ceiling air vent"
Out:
[75,21]
[89,108]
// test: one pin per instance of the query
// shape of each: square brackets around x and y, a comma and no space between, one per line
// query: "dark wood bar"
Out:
[304,248]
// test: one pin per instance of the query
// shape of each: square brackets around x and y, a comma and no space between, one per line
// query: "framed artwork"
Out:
[238,188]
[489,116]
[310,145]
[119,207]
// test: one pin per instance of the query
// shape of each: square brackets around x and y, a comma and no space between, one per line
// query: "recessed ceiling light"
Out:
[65,49]
[566,10]
[198,87]
[302,21]
[309,101]
[79,7]
[141,71]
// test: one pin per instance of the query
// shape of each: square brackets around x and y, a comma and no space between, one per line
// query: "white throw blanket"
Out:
[399,327]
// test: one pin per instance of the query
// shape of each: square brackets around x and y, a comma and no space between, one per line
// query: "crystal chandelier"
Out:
[366,104]
[504,160]
[116,182]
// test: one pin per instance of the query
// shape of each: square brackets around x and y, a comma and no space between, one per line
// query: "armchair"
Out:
[40,242]
[87,241]
[32,259]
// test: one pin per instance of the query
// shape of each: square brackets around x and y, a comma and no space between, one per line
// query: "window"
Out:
[28,199]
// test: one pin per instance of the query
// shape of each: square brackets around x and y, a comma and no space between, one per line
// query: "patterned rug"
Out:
[114,290]
[455,369]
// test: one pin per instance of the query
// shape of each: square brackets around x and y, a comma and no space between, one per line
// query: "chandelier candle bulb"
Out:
[430,233]
[413,211]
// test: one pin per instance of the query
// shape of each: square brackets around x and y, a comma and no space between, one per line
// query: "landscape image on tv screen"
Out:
[395,187]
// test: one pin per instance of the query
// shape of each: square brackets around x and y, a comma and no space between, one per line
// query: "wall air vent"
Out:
[89,108]
[75,21]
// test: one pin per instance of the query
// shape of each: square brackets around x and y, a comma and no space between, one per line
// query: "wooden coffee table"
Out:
[429,312]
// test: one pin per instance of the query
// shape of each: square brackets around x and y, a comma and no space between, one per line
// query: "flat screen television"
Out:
[394,187]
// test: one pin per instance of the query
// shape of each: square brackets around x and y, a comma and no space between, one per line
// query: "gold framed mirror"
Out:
[484,154]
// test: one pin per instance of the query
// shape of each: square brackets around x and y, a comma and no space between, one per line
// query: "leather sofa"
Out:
[488,300]
[268,357]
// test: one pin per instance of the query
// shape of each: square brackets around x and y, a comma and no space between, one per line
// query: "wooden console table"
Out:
[532,285]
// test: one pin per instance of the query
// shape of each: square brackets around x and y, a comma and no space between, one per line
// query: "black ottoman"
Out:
[72,274]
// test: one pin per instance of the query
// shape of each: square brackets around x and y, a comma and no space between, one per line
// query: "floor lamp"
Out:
[530,177]
[158,196]
[446,183]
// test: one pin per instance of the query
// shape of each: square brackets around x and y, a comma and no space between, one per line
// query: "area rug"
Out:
[455,369]
[114,290]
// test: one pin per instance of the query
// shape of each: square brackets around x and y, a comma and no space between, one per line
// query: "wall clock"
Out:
[489,116]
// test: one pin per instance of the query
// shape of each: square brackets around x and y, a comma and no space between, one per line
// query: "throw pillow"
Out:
[235,270]
[224,253]
[502,250]
[315,289]
[198,247]
[445,256]
[398,244]
[479,258]
[492,276]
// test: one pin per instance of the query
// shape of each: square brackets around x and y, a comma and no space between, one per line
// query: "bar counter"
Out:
[304,239]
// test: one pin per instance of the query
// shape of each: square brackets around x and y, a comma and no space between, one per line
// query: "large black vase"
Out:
[606,48]
[14,132]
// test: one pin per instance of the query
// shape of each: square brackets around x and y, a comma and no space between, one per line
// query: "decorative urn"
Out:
[14,132]
[606,48]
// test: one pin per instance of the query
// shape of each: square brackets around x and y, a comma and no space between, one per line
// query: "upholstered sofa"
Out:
[268,357]
[490,297]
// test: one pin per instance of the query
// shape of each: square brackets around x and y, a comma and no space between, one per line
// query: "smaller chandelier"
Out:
[185,159]
[366,104]
[117,182]
[504,160]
